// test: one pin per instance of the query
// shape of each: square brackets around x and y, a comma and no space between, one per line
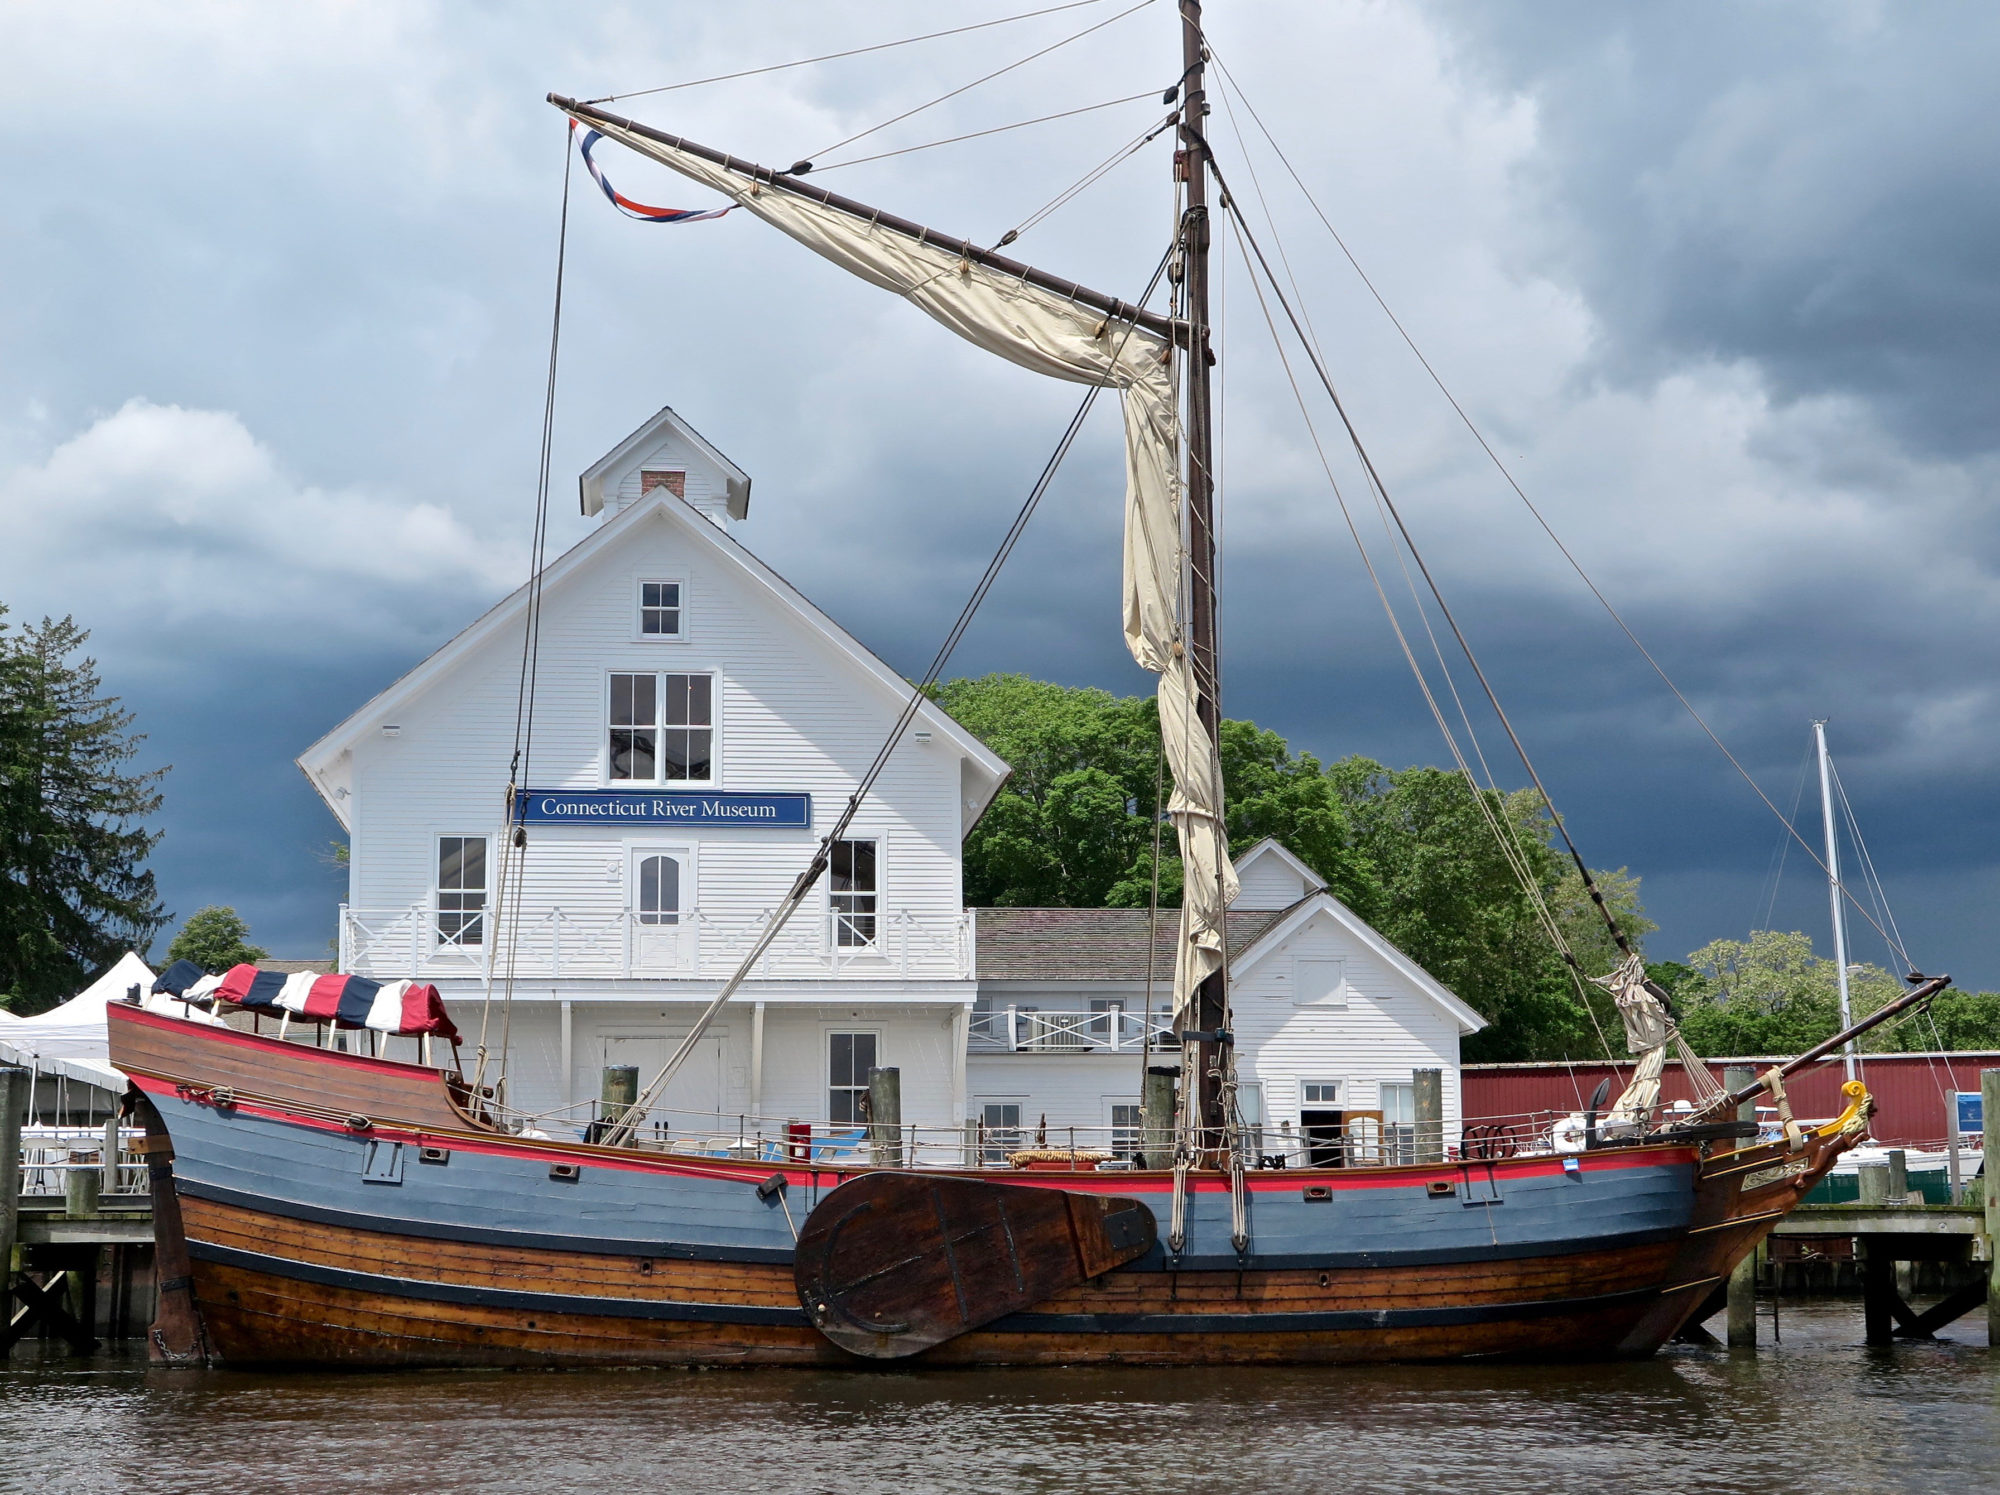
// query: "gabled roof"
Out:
[325,763]
[1089,944]
[1272,849]
[1321,903]
[590,486]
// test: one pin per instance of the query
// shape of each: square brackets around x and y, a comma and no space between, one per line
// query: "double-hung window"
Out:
[461,890]
[662,729]
[999,1130]
[1399,1123]
[659,609]
[854,890]
[849,1058]
[1127,1122]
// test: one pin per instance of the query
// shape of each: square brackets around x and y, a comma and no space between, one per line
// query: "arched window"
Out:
[659,890]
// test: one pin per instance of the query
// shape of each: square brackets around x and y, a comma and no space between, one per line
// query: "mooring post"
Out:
[885,1116]
[1874,1183]
[1742,1292]
[1899,1195]
[1156,1116]
[1429,1094]
[112,1142]
[81,1183]
[14,1083]
[1989,1101]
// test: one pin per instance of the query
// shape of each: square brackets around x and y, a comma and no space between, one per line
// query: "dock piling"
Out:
[885,1116]
[1428,1091]
[1989,1092]
[1743,1278]
[14,1082]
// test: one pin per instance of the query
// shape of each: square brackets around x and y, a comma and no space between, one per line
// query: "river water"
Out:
[1819,1413]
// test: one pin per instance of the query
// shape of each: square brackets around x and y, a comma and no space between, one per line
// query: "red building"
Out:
[1910,1090]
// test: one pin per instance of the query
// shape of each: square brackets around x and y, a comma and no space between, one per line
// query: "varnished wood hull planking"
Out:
[298,1257]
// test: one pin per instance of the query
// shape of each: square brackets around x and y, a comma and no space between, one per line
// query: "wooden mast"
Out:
[1207,1056]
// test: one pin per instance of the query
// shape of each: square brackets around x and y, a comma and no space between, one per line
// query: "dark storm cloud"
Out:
[1715,278]
[1809,186]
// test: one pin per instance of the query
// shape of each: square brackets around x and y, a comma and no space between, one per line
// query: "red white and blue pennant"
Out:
[625,204]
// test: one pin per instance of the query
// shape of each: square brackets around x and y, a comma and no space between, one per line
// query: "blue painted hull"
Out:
[405,1238]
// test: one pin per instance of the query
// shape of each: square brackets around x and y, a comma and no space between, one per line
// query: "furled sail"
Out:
[1066,338]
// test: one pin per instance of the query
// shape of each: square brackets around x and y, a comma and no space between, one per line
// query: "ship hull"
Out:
[339,1210]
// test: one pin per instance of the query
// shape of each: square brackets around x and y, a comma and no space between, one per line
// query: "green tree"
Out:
[1074,826]
[215,938]
[74,889]
[1410,851]
[1771,994]
[1452,902]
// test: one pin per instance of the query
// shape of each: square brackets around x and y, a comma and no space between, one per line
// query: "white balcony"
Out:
[390,943]
[1041,1030]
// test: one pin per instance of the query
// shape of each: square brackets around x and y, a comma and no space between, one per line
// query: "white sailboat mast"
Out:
[1835,894]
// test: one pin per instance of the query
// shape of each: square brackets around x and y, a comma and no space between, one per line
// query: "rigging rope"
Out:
[985,78]
[908,150]
[779,67]
[513,843]
[1515,861]
[1505,830]
[1506,474]
[1088,180]
[803,884]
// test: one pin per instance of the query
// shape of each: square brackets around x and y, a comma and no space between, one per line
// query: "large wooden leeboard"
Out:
[890,1264]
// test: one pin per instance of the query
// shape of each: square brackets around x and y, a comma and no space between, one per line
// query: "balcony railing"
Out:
[698,945]
[1041,1030]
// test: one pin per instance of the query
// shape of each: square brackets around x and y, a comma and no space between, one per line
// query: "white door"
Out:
[692,1105]
[659,896]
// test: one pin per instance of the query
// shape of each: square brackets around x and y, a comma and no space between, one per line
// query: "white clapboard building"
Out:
[697,724]
[1332,1022]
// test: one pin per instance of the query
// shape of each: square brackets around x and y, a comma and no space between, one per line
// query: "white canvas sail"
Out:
[1054,335]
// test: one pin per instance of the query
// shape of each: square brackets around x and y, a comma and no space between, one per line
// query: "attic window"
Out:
[674,482]
[659,610]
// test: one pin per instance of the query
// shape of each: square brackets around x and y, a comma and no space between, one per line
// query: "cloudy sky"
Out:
[1718,281]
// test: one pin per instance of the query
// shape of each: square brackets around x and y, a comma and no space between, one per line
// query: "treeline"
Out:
[75,893]
[1411,850]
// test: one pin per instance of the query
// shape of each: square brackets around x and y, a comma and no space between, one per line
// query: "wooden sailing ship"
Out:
[329,1207]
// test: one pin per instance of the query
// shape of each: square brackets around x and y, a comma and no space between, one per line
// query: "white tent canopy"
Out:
[71,1040]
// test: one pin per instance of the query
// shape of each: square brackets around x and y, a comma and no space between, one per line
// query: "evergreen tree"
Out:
[74,890]
[216,938]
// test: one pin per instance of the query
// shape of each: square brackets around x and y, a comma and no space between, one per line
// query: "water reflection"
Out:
[1820,1414]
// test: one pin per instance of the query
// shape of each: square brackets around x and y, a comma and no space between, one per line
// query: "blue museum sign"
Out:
[665,807]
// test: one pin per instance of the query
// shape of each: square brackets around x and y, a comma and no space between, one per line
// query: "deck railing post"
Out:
[1742,1290]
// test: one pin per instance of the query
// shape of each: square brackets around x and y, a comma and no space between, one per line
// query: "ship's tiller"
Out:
[890,1264]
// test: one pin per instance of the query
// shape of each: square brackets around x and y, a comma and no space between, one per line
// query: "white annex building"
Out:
[696,719]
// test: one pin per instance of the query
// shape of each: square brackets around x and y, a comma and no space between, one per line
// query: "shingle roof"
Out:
[1091,944]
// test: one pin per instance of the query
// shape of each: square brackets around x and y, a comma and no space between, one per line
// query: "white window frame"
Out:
[439,939]
[827,1087]
[1337,999]
[1338,1103]
[639,634]
[991,1153]
[873,946]
[660,676]
[1113,1127]
[1399,1137]
[635,853]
